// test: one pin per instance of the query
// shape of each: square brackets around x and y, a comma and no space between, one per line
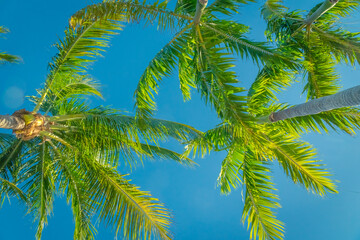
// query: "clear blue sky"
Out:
[200,212]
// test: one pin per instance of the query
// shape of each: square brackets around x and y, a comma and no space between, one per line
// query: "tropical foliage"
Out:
[203,52]
[70,148]
[5,57]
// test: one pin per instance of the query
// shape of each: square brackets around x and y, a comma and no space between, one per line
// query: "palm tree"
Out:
[5,57]
[322,46]
[201,53]
[63,146]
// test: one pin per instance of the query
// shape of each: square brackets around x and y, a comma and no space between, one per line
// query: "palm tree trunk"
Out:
[346,98]
[200,6]
[327,4]
[11,122]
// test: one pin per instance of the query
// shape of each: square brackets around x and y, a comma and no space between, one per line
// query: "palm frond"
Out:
[133,212]
[3,29]
[10,189]
[71,181]
[298,160]
[162,65]
[280,23]
[113,134]
[186,7]
[344,45]
[259,201]
[5,57]
[76,86]
[41,187]
[186,74]
[231,34]
[78,49]
[269,81]
[229,176]
[215,80]
[8,58]
[156,152]
[132,11]
[10,158]
[321,75]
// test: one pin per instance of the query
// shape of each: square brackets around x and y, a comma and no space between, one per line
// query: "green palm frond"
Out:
[132,11]
[187,7]
[8,58]
[231,34]
[10,158]
[156,152]
[78,49]
[71,181]
[113,134]
[133,212]
[321,75]
[76,86]
[280,23]
[41,188]
[9,189]
[5,140]
[260,201]
[5,57]
[215,80]
[162,65]
[344,45]
[298,160]
[229,176]
[269,81]
[3,29]
[186,73]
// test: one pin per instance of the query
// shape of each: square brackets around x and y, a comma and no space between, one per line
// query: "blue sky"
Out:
[199,211]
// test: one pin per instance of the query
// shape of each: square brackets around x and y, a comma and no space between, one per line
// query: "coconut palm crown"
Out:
[202,52]
[64,146]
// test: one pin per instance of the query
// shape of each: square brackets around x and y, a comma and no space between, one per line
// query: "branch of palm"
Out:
[71,118]
[5,57]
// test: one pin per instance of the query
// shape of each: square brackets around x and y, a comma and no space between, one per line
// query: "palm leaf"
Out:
[269,81]
[231,34]
[79,48]
[10,158]
[344,45]
[259,201]
[321,75]
[229,176]
[162,65]
[132,11]
[5,57]
[133,212]
[10,189]
[298,160]
[72,182]
[41,187]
